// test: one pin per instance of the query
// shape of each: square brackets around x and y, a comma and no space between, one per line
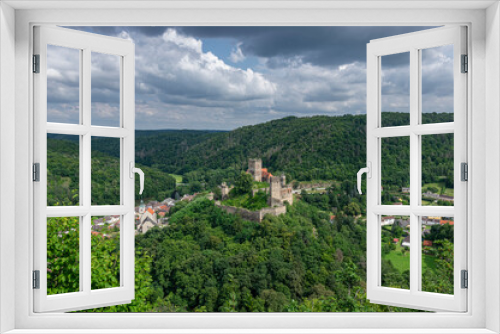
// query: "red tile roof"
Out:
[151,211]
[427,243]
[265,173]
[442,222]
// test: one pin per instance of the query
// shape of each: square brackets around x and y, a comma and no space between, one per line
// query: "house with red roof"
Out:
[443,222]
[427,243]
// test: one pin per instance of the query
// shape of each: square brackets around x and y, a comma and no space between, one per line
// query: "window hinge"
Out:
[464,171]
[465,279]
[465,64]
[36,63]
[36,279]
[36,172]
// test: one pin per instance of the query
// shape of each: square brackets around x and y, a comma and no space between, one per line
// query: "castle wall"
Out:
[255,216]
[273,211]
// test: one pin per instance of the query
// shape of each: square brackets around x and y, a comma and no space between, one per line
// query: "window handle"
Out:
[134,170]
[368,171]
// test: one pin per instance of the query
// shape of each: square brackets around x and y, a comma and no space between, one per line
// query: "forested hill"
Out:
[318,147]
[63,176]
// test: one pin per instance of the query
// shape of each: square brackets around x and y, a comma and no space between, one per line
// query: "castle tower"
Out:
[255,169]
[275,191]
[283,180]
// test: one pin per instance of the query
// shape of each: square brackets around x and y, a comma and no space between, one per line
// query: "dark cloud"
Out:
[323,46]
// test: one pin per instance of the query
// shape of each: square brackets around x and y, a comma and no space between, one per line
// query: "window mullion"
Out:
[86,166]
[414,169]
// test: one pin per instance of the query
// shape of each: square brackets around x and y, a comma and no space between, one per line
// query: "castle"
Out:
[278,191]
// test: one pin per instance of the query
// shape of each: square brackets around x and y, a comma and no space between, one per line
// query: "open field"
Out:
[439,185]
[178,178]
[402,262]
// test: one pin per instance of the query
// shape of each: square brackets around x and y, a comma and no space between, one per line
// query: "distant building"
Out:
[431,220]
[98,224]
[387,220]
[444,222]
[403,222]
[169,202]
[147,221]
[405,190]
[406,242]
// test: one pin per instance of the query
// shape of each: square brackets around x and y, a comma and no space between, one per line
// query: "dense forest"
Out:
[312,259]
[211,261]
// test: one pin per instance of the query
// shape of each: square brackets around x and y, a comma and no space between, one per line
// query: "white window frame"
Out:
[483,126]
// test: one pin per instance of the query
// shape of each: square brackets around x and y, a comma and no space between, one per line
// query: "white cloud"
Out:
[171,35]
[237,55]
[175,68]
[306,89]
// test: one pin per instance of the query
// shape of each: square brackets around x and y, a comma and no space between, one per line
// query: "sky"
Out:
[222,78]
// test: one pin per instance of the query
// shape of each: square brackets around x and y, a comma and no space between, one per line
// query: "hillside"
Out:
[318,147]
[310,148]
[63,176]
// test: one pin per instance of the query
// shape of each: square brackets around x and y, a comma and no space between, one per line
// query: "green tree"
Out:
[243,184]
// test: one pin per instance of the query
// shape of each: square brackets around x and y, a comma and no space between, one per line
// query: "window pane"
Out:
[63,255]
[63,85]
[395,73]
[395,243]
[105,90]
[105,256]
[105,171]
[395,171]
[63,170]
[437,170]
[437,254]
[437,84]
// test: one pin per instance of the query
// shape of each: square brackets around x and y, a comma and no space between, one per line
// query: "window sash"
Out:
[412,43]
[86,43]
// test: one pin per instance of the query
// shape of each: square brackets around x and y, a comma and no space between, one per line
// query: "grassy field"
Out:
[439,185]
[178,178]
[257,202]
[260,185]
[402,262]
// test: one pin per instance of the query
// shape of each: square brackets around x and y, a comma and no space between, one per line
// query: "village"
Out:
[404,223]
[147,216]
